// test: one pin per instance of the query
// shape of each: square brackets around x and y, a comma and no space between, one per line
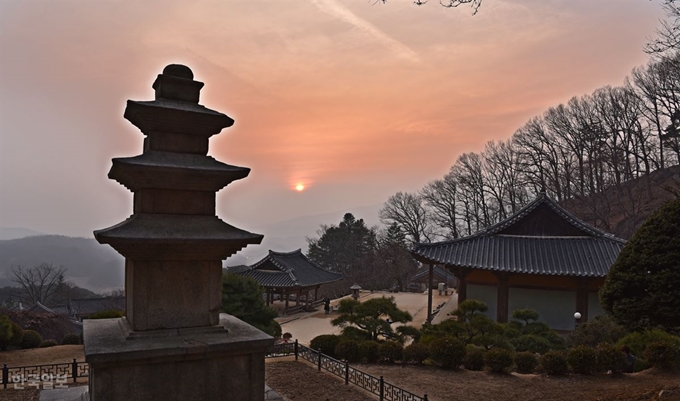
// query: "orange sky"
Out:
[354,100]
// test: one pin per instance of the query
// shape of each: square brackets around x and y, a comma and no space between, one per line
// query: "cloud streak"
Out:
[342,13]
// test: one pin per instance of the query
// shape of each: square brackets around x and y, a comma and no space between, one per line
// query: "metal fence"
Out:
[59,373]
[376,385]
[71,371]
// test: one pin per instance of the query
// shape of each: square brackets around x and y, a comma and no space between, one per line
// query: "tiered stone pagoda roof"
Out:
[289,269]
[174,180]
[541,238]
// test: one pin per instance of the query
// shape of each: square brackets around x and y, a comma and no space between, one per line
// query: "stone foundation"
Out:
[204,363]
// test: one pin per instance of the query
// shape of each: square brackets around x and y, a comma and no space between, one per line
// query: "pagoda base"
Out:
[203,363]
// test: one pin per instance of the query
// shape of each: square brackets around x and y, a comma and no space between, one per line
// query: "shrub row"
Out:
[11,335]
[448,352]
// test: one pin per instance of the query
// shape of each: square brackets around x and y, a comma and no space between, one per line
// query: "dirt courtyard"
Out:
[300,381]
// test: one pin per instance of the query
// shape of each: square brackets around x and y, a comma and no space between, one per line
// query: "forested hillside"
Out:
[594,144]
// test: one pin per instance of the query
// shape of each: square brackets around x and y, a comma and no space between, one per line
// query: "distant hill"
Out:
[89,265]
[17,232]
[621,210]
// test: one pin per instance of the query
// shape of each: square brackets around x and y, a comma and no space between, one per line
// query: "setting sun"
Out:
[299,187]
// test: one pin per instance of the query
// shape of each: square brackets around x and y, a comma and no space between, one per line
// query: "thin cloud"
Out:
[340,12]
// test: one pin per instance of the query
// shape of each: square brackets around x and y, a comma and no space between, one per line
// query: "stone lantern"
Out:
[355,291]
[173,344]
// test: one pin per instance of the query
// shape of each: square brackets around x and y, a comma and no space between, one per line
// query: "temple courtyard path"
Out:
[305,326]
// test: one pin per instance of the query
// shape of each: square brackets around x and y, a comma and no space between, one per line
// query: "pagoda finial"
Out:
[177,83]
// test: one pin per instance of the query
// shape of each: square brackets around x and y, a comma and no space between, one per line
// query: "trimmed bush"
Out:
[526,362]
[447,352]
[637,342]
[71,339]
[325,343]
[348,350]
[498,360]
[391,351]
[610,358]
[416,353]
[662,354]
[554,363]
[582,359]
[368,351]
[602,329]
[474,358]
[30,339]
[532,343]
[10,334]
[48,343]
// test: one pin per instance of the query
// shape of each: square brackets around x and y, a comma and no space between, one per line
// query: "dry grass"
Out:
[463,385]
[300,381]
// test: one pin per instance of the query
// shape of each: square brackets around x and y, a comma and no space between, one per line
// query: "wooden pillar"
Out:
[285,307]
[582,300]
[316,293]
[502,303]
[297,298]
[461,289]
[429,293]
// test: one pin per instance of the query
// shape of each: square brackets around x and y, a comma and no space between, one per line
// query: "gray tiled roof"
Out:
[289,269]
[437,271]
[541,238]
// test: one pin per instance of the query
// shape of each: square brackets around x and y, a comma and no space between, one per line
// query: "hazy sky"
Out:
[354,100]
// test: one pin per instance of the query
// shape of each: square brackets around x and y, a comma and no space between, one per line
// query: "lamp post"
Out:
[577,317]
[355,291]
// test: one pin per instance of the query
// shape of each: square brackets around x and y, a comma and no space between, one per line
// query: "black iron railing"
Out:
[55,375]
[376,385]
[59,374]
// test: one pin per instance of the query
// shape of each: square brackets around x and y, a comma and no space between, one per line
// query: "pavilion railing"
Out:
[54,375]
[376,385]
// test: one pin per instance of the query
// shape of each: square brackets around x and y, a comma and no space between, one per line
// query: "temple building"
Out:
[290,273]
[541,258]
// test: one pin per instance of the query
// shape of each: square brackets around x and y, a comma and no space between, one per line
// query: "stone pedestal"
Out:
[173,344]
[222,362]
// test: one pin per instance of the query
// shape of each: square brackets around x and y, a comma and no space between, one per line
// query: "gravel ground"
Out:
[299,381]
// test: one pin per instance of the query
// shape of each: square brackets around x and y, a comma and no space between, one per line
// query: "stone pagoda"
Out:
[173,344]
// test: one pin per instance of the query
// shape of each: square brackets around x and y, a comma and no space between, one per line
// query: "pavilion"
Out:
[541,258]
[287,273]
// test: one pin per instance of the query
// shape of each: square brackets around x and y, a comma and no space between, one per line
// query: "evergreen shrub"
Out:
[474,358]
[526,362]
[416,353]
[498,360]
[662,354]
[447,352]
[30,339]
[325,343]
[368,350]
[638,341]
[554,363]
[391,351]
[610,358]
[71,339]
[348,350]
[48,343]
[532,343]
[582,359]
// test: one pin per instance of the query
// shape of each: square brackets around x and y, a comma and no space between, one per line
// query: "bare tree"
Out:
[441,196]
[409,212]
[668,34]
[40,282]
